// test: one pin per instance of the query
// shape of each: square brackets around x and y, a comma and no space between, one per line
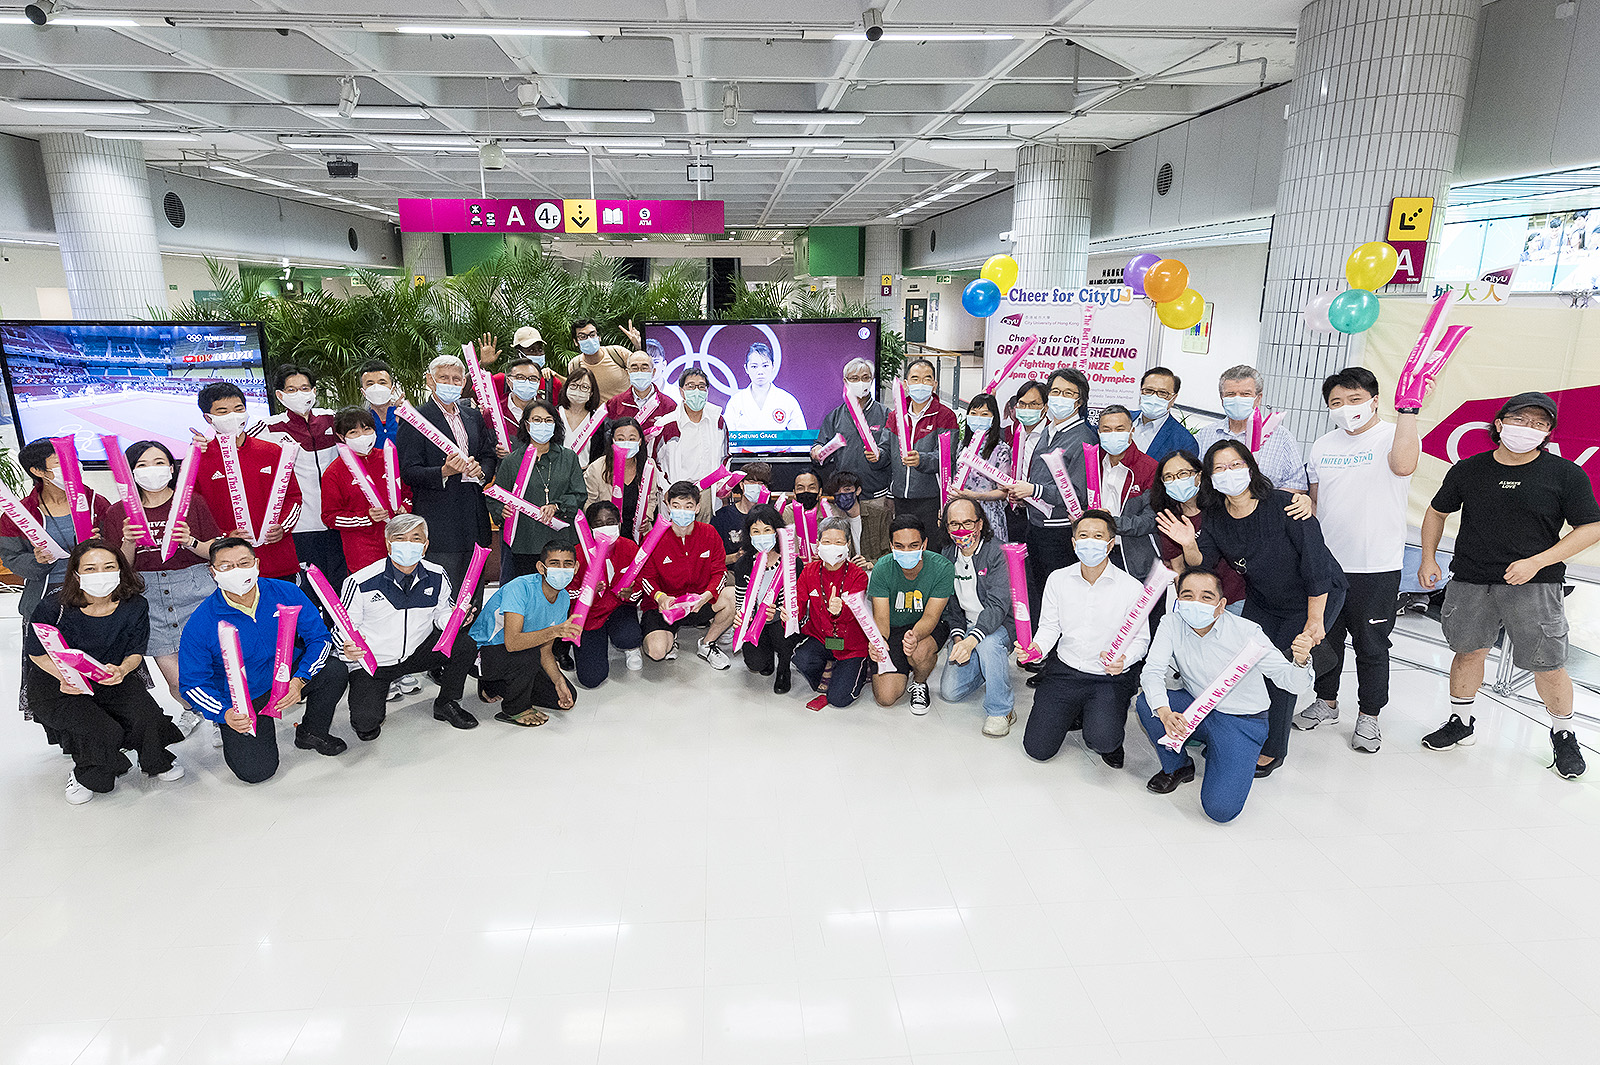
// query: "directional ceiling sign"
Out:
[561,216]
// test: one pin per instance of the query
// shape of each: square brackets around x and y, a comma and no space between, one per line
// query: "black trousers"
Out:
[368,694]
[96,728]
[325,550]
[928,511]
[255,758]
[1067,697]
[850,675]
[520,678]
[621,629]
[1282,630]
[1367,620]
[1048,551]
[455,567]
[771,648]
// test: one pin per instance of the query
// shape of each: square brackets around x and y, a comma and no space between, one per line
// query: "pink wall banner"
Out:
[560,216]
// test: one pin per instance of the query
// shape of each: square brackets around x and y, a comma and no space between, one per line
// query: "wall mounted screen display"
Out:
[136,379]
[774,380]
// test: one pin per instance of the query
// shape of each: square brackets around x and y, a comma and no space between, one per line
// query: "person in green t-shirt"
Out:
[909,588]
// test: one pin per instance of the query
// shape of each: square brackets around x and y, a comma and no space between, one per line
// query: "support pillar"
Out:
[423,254]
[1375,112]
[1050,215]
[100,196]
[882,256]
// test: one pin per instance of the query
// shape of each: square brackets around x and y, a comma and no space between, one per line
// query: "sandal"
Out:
[527,719]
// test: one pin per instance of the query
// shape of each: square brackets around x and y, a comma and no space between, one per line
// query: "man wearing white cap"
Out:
[527,365]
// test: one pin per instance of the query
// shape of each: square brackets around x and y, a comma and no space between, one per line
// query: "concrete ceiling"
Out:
[244,76]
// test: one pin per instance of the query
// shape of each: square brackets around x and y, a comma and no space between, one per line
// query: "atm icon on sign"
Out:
[611,216]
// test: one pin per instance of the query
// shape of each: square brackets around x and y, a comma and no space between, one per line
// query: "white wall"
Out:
[953,329]
[964,237]
[33,267]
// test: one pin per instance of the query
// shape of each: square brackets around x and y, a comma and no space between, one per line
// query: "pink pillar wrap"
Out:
[72,478]
[857,604]
[1091,474]
[127,487]
[1154,587]
[280,488]
[341,618]
[1242,663]
[1017,571]
[233,671]
[181,497]
[28,524]
[469,584]
[592,576]
[282,658]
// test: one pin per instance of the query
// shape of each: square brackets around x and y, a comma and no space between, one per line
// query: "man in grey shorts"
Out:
[1508,567]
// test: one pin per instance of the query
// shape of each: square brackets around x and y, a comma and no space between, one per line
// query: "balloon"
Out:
[1353,311]
[1315,312]
[1184,312]
[1138,266]
[1371,266]
[1166,280]
[981,298]
[1002,270]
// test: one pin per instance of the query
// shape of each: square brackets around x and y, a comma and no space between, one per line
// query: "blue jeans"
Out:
[1232,742]
[988,665]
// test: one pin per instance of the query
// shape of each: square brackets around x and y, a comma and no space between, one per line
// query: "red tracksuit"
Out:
[681,565]
[345,507]
[258,461]
[605,596]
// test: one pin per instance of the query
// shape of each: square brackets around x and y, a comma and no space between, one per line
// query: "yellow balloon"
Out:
[1183,312]
[1371,266]
[1002,270]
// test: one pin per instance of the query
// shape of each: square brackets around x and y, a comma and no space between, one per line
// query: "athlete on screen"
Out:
[762,407]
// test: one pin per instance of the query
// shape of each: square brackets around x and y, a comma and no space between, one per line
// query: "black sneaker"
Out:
[1166,783]
[919,697]
[1453,733]
[1114,758]
[782,682]
[1569,763]
[310,741]
[368,737]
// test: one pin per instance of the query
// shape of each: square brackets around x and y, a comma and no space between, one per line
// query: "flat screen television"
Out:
[774,380]
[138,380]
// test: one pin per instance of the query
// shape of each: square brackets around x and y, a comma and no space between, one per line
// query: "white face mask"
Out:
[99,584]
[1231,482]
[578,396]
[362,444]
[832,554]
[1520,439]
[407,552]
[1351,417]
[152,478]
[229,424]
[860,389]
[237,581]
[607,532]
[378,395]
[299,402]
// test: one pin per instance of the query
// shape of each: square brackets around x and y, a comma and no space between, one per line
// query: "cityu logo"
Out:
[1577,437]
[1013,320]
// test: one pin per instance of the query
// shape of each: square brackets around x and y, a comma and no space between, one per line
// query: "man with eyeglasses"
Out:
[866,460]
[1509,567]
[1158,432]
[608,363]
[1280,455]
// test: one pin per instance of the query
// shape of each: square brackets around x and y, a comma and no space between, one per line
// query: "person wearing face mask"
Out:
[763,407]
[528,365]
[1125,471]
[869,526]
[979,616]
[694,440]
[1509,567]
[1082,686]
[613,619]
[382,399]
[174,587]
[1280,460]
[983,416]
[1175,493]
[607,363]
[555,485]
[765,652]
[1293,585]
[915,487]
[688,561]
[400,604]
[447,489]
[1157,431]
[640,395]
[224,407]
[866,460]
[345,506]
[908,591]
[248,600]
[599,484]
[518,387]
[1063,429]
[1197,643]
[579,399]
[311,427]
[99,610]
[1360,477]
[829,632]
[729,518]
[808,489]
[517,633]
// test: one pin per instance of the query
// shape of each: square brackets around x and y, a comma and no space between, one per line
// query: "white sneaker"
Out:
[999,725]
[395,692]
[1318,713]
[77,794]
[725,641]
[216,734]
[635,660]
[672,653]
[712,655]
[1367,736]
[133,760]
[187,722]
[409,684]
[175,773]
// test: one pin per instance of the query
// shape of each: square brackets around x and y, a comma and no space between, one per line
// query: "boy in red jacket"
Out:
[344,505]
[829,632]
[688,561]
[223,406]
[613,619]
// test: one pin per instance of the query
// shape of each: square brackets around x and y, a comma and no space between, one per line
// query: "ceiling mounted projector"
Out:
[343,168]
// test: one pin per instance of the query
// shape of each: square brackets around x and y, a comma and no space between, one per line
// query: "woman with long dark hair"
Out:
[598,477]
[768,650]
[580,397]
[983,416]
[554,485]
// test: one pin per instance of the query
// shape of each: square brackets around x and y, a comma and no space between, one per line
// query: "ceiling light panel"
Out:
[81,107]
[404,113]
[579,114]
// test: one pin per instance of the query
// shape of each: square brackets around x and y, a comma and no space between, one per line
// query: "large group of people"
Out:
[643,541]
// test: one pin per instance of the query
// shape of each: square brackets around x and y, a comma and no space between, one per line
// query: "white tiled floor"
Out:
[685,869]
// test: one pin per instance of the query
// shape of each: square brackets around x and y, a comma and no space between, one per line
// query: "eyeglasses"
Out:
[1236,464]
[1160,393]
[523,377]
[976,523]
[228,567]
[1528,421]
[585,334]
[1178,475]
[1063,395]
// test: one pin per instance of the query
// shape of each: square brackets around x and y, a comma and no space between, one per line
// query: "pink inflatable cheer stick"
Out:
[964,464]
[341,618]
[180,500]
[358,473]
[1091,474]
[29,525]
[430,432]
[1011,363]
[1431,328]
[657,531]
[585,536]
[1261,427]
[1058,472]
[1235,671]
[282,658]
[619,472]
[830,447]
[999,477]
[233,670]
[280,488]
[752,592]
[869,443]
[228,448]
[1083,338]
[647,483]
[72,480]
[1017,571]
[1154,587]
[589,590]
[902,418]
[391,475]
[857,602]
[67,661]
[786,567]
[469,584]
[488,401]
[678,609]
[1417,390]
[508,520]
[586,430]
[944,468]
[127,487]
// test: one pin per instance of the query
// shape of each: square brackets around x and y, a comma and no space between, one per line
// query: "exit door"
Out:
[916,321]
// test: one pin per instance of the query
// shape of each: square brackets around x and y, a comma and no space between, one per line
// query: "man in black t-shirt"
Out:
[1509,567]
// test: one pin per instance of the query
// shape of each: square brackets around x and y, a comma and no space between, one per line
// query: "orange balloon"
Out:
[1166,280]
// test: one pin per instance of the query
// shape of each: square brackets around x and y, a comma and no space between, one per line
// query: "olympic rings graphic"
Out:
[722,378]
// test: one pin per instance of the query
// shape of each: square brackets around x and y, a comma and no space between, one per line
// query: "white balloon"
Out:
[1315,312]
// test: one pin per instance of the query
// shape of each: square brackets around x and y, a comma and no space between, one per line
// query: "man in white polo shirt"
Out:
[1360,474]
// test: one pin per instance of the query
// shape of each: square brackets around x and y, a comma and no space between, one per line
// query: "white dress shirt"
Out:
[1144,432]
[1079,619]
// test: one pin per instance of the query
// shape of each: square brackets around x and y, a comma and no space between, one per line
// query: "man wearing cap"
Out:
[1508,568]
[527,344]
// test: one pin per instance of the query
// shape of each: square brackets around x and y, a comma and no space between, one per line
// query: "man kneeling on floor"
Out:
[400,605]
[1200,641]
[909,591]
[517,634]
[249,603]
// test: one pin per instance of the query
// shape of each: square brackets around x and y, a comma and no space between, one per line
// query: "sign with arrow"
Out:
[1410,220]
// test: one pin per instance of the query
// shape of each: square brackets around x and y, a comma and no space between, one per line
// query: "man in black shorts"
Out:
[1508,567]
[908,590]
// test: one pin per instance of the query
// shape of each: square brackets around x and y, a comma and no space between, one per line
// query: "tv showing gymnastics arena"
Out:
[138,380]
[774,380]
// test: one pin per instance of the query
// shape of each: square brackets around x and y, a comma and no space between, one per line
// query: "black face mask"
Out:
[807,499]
[845,500]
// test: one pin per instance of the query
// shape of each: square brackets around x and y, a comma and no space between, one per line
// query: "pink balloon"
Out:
[1315,312]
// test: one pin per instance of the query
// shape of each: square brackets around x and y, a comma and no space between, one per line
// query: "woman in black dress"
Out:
[101,612]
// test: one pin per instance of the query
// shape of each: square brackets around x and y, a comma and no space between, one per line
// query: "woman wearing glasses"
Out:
[980,618]
[1293,584]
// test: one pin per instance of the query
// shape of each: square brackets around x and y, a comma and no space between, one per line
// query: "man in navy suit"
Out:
[1157,431]
[444,489]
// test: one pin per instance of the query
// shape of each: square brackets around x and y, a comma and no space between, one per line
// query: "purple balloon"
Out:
[1138,266]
